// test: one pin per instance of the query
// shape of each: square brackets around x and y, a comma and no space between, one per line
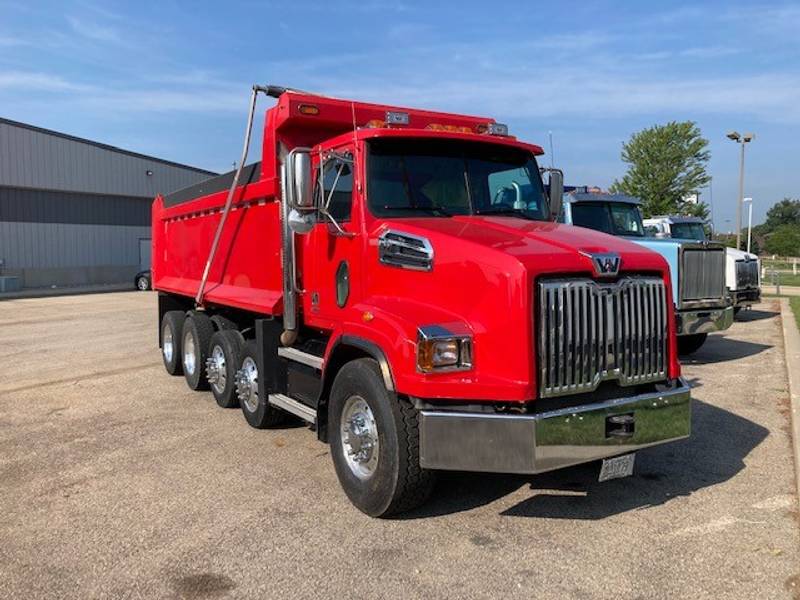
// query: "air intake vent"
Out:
[405,250]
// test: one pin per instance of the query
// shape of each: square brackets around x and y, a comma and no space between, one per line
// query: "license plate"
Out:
[617,467]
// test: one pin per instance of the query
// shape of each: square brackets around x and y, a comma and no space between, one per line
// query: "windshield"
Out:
[688,231]
[442,178]
[616,218]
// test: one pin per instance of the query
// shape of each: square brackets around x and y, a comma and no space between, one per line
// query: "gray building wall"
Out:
[73,211]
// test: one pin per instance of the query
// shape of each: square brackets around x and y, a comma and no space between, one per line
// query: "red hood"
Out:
[540,246]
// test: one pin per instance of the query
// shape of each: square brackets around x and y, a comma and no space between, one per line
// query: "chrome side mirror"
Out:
[300,181]
[556,192]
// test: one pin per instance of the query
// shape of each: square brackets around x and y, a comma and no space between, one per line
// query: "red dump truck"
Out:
[394,277]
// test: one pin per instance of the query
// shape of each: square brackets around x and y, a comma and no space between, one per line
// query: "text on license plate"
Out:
[616,467]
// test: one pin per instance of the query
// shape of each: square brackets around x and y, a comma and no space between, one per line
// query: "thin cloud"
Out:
[7,41]
[38,82]
[94,31]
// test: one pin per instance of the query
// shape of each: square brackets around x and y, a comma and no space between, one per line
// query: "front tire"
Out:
[688,344]
[257,411]
[142,283]
[374,438]
[224,356]
[195,340]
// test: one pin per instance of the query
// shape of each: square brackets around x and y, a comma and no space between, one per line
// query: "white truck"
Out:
[742,269]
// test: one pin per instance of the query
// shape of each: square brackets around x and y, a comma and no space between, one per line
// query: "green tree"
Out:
[666,165]
[785,212]
[784,241]
[694,209]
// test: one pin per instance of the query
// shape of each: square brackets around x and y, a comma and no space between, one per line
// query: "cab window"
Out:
[337,186]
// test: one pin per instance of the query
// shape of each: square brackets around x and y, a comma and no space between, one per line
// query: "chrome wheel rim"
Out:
[167,347]
[247,384]
[216,371]
[189,359]
[142,283]
[359,437]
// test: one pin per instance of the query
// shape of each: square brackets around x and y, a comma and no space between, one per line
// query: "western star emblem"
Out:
[605,264]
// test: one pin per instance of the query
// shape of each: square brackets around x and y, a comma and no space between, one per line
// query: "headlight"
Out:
[440,349]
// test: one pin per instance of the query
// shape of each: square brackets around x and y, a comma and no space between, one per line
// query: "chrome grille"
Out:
[702,273]
[746,274]
[591,332]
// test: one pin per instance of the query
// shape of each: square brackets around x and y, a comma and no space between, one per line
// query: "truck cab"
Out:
[742,269]
[395,277]
[697,267]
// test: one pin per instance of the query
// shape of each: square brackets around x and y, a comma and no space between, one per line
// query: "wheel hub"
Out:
[246,381]
[167,347]
[216,373]
[359,433]
[189,359]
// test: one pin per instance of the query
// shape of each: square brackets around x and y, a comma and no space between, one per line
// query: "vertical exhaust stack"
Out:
[289,335]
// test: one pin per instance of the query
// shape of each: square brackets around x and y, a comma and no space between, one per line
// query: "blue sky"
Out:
[172,79]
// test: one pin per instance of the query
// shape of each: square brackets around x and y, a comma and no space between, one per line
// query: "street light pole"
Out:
[749,221]
[741,200]
[740,139]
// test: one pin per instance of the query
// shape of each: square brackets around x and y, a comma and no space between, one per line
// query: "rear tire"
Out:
[195,340]
[171,331]
[374,438]
[224,356]
[256,410]
[688,344]
[142,283]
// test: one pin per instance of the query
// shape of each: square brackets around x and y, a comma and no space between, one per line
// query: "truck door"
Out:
[334,248]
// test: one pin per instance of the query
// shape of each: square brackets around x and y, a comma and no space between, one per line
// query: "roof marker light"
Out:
[396,118]
[308,109]
[451,128]
[497,129]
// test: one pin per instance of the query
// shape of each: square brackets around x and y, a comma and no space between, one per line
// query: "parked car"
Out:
[697,269]
[143,281]
[742,269]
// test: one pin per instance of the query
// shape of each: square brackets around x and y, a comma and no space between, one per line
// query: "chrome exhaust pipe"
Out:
[289,335]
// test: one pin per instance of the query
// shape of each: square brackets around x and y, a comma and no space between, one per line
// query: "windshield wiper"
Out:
[434,210]
[517,212]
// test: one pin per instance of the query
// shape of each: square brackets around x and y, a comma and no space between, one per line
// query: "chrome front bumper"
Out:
[534,443]
[705,320]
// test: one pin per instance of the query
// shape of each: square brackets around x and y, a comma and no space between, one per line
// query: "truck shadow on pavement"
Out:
[716,451]
[720,348]
[755,315]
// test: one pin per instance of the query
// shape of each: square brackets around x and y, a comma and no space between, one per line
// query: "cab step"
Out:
[294,407]
[305,358]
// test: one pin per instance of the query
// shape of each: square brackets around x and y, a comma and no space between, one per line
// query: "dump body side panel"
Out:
[246,273]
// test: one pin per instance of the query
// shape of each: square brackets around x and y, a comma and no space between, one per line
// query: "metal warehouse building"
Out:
[75,212]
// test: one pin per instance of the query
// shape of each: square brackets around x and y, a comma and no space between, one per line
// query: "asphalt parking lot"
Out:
[117,481]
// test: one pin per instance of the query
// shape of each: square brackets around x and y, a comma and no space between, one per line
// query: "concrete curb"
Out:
[786,290]
[791,345]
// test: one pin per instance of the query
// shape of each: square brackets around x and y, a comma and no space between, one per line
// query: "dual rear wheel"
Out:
[221,361]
